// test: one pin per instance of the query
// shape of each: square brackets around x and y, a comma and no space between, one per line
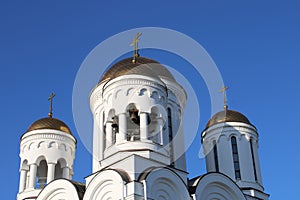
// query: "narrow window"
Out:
[103,120]
[216,156]
[253,160]
[170,136]
[104,131]
[235,156]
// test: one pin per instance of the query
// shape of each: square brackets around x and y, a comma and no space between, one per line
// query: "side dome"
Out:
[228,116]
[142,66]
[49,123]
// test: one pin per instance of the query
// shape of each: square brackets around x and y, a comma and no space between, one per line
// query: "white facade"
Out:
[138,147]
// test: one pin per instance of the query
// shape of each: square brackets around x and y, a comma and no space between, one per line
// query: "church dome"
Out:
[228,116]
[142,66]
[49,123]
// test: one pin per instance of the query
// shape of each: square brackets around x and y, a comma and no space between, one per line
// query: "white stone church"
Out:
[138,146]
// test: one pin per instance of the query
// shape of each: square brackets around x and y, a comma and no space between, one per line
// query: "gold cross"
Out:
[134,43]
[52,95]
[223,90]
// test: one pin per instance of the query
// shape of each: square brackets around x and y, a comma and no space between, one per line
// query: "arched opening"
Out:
[41,176]
[235,155]
[110,131]
[156,126]
[133,123]
[58,171]
[24,176]
[253,159]
[115,128]
[170,129]
[216,159]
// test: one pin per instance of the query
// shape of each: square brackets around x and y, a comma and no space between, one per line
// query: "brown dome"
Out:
[142,66]
[230,116]
[49,123]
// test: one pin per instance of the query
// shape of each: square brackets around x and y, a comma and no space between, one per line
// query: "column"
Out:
[108,134]
[50,173]
[96,141]
[122,127]
[32,176]
[144,126]
[66,173]
[160,135]
[23,176]
[101,137]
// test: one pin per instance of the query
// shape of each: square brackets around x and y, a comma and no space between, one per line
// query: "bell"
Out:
[133,113]
[114,124]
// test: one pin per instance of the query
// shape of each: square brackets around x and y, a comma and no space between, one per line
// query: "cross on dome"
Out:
[52,95]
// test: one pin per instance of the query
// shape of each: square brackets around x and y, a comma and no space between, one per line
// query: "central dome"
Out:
[142,66]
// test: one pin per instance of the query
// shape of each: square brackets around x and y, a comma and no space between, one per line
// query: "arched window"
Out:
[41,176]
[170,136]
[58,171]
[216,156]
[235,156]
[133,123]
[155,126]
[253,159]
[24,176]
[115,129]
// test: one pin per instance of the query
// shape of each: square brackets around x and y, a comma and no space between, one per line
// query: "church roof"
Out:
[227,116]
[80,188]
[141,66]
[49,123]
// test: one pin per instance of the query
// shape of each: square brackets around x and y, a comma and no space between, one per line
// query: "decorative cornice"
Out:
[48,134]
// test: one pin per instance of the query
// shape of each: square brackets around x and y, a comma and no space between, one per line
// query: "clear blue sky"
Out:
[255,45]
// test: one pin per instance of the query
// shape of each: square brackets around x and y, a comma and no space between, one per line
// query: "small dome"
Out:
[142,66]
[49,123]
[230,116]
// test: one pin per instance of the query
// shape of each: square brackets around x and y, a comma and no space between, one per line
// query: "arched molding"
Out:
[59,189]
[138,81]
[62,146]
[46,134]
[164,183]
[231,127]
[143,92]
[106,185]
[24,148]
[217,186]
[41,143]
[110,115]
[31,146]
[24,165]
[155,95]
[44,144]
[117,94]
[53,144]
[237,135]
[129,91]
[109,97]
[63,162]
[39,159]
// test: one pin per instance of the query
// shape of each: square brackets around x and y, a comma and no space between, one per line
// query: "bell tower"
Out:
[47,152]
[137,108]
